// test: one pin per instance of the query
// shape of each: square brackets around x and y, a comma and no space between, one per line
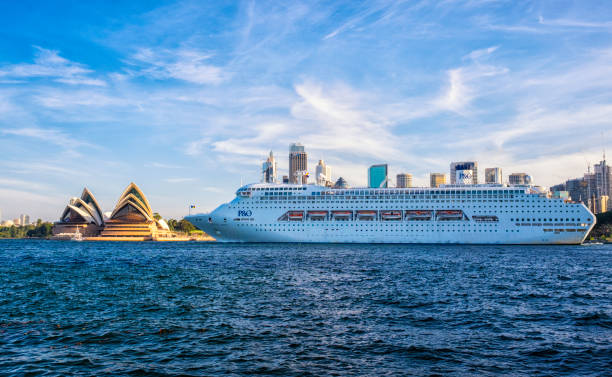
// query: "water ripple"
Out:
[193,309]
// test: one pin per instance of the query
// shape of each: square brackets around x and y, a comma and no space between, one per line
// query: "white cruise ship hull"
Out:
[511,219]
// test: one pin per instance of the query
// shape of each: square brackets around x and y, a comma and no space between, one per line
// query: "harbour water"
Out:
[97,308]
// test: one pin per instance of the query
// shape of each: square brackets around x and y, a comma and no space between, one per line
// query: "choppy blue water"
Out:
[69,308]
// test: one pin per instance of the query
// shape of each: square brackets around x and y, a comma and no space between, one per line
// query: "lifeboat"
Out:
[418,215]
[366,215]
[449,214]
[391,215]
[342,215]
[317,215]
[296,215]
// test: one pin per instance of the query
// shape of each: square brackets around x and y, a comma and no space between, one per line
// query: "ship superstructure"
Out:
[462,214]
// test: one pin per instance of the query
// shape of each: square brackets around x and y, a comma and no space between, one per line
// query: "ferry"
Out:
[457,214]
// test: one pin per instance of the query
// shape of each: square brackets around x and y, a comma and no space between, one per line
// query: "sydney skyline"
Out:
[187,98]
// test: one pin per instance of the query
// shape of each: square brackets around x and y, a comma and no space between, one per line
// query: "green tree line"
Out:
[40,229]
[603,228]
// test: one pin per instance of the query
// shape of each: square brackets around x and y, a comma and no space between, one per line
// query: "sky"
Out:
[186,98]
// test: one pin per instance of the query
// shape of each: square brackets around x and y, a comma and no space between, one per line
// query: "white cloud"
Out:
[179,180]
[48,63]
[182,64]
[48,135]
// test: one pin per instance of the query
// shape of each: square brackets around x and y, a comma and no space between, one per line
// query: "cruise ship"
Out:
[457,214]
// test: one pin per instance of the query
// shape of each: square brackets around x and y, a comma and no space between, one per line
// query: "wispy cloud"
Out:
[179,180]
[183,64]
[48,63]
[575,23]
[56,137]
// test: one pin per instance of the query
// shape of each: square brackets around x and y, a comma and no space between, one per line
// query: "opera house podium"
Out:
[131,220]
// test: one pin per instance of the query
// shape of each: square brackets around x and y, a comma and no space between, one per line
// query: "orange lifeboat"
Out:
[418,215]
[449,214]
[296,215]
[391,215]
[342,215]
[317,215]
[366,215]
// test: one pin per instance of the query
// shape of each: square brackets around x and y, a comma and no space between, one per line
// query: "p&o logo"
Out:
[247,213]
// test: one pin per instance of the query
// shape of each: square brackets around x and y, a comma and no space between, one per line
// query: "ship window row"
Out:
[544,219]
[385,192]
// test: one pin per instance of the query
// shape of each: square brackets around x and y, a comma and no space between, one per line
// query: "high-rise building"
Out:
[26,220]
[470,166]
[602,203]
[22,220]
[377,176]
[436,179]
[269,169]
[403,180]
[298,164]
[323,176]
[519,179]
[493,175]
[603,178]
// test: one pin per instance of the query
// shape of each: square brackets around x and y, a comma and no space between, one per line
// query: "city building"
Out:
[519,179]
[268,169]
[341,184]
[81,214]
[560,194]
[285,179]
[377,176]
[493,176]
[403,180]
[603,178]
[436,179]
[7,223]
[468,168]
[602,203]
[298,164]
[24,219]
[323,174]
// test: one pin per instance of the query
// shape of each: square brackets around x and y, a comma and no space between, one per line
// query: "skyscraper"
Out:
[603,178]
[377,176]
[323,172]
[403,180]
[436,179]
[463,165]
[493,175]
[269,169]
[298,164]
[519,179]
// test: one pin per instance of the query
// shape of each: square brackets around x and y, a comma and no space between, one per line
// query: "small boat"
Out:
[76,236]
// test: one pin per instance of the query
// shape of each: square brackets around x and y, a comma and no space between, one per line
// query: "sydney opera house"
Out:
[131,220]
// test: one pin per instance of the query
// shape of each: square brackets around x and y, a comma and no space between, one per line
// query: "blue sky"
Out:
[186,98]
